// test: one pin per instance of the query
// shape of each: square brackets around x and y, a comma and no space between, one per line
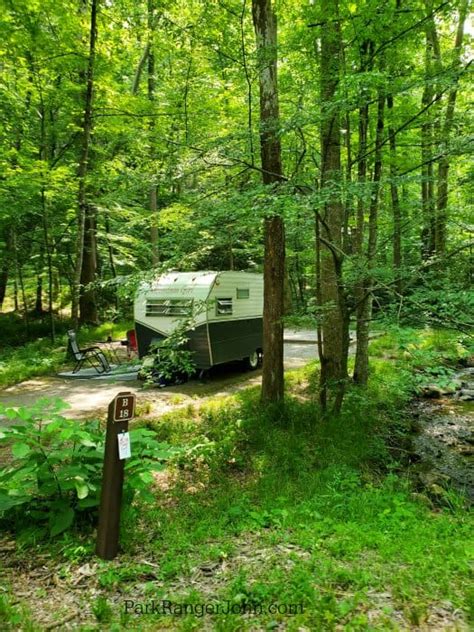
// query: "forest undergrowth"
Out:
[290,520]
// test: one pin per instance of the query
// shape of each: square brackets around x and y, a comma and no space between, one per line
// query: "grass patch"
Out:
[422,347]
[42,357]
[30,360]
[300,321]
[14,618]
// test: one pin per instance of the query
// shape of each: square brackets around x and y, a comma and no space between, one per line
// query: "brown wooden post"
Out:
[121,410]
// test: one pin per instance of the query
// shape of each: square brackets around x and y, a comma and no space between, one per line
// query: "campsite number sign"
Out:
[117,449]
[124,408]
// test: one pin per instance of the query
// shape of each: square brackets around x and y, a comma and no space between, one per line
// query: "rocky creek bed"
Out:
[443,442]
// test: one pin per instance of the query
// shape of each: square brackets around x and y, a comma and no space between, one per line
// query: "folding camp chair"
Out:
[92,355]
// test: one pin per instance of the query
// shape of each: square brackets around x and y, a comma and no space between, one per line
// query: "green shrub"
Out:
[55,471]
[429,355]
[33,359]
[13,330]
[170,357]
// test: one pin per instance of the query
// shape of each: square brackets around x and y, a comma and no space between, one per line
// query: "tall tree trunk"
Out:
[396,209]
[348,196]
[83,209]
[331,219]
[3,282]
[139,70]
[319,301]
[346,241]
[16,305]
[39,295]
[362,174]
[38,310]
[113,269]
[153,194]
[248,80]
[366,51]
[5,267]
[87,301]
[427,143]
[265,25]
[26,316]
[49,260]
[110,249]
[43,156]
[443,165]
[21,284]
[364,308]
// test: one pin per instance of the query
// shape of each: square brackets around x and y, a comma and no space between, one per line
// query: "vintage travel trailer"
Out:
[227,308]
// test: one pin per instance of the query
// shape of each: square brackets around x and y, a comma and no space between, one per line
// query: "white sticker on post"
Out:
[124,445]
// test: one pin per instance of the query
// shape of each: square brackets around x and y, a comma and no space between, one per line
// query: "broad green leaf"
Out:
[61,521]
[88,443]
[7,502]
[88,503]
[82,489]
[20,450]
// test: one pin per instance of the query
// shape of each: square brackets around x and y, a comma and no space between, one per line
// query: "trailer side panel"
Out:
[235,339]
[199,344]
[145,336]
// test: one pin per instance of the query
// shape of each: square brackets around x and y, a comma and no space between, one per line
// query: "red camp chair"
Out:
[132,346]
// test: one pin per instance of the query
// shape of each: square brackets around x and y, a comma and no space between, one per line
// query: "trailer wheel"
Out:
[253,361]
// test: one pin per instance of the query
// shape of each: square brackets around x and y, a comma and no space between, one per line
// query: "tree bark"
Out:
[361,175]
[366,51]
[331,219]
[248,80]
[5,267]
[427,143]
[39,296]
[265,26]
[87,301]
[364,308]
[84,216]
[153,194]
[139,71]
[21,284]
[3,282]
[443,165]
[16,304]
[49,260]
[319,301]
[396,209]
[43,156]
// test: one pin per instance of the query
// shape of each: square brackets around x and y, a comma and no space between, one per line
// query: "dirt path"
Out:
[90,397]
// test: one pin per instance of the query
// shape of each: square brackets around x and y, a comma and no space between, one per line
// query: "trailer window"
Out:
[224,307]
[243,293]
[169,307]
